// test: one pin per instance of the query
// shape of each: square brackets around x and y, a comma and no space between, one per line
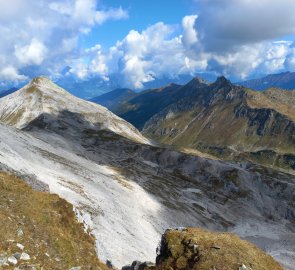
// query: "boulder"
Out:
[244,267]
[137,265]
[25,257]
[12,260]
[20,246]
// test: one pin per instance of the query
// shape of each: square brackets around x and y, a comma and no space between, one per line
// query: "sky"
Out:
[140,40]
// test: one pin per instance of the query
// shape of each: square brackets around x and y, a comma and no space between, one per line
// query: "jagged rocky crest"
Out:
[230,121]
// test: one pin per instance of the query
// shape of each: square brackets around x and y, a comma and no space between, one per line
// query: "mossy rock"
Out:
[197,249]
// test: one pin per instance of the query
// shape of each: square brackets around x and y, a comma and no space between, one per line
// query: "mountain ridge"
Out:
[266,117]
[141,107]
[285,80]
[228,117]
[42,96]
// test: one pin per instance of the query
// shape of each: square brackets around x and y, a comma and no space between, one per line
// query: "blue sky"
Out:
[136,41]
[142,13]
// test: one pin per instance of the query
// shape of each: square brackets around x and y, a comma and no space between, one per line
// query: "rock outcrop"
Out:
[196,249]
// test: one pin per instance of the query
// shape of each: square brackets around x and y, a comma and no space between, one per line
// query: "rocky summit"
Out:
[197,249]
[44,103]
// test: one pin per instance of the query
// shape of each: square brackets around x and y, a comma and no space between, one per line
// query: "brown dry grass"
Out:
[230,254]
[277,99]
[49,225]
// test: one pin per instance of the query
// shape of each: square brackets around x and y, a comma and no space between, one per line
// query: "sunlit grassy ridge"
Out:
[203,250]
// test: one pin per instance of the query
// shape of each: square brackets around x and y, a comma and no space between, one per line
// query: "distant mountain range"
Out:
[220,118]
[96,86]
[93,87]
[285,80]
[117,99]
[139,108]
[114,99]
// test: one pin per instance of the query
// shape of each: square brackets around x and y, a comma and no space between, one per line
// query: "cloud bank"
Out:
[226,24]
[236,38]
[43,35]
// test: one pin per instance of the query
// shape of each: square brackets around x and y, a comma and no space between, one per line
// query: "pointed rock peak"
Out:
[198,81]
[43,84]
[40,79]
[222,81]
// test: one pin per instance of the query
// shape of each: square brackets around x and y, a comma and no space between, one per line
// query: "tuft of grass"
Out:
[52,236]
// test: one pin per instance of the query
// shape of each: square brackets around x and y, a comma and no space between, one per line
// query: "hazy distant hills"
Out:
[285,80]
[114,99]
[96,86]
[92,88]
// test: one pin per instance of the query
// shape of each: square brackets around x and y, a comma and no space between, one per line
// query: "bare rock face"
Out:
[193,248]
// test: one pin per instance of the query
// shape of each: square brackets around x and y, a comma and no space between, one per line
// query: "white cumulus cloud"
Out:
[42,37]
[224,24]
[31,54]
[190,35]
[236,38]
[159,52]
[11,74]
